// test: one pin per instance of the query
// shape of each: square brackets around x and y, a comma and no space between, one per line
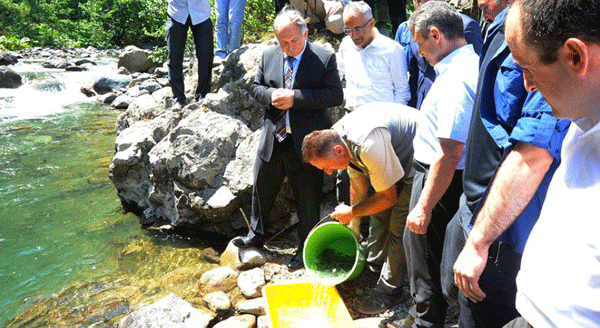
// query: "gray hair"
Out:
[286,15]
[358,7]
[437,14]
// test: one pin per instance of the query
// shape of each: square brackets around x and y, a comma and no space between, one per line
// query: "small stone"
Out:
[75,69]
[87,91]
[150,85]
[263,322]
[252,258]
[108,98]
[218,301]
[242,321]
[210,255]
[251,282]
[254,306]
[218,279]
[121,102]
[123,70]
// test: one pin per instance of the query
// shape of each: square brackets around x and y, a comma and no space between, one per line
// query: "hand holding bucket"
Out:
[332,252]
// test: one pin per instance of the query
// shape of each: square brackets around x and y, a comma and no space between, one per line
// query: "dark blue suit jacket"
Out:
[317,86]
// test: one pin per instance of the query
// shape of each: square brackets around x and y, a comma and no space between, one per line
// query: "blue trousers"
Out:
[203,40]
[230,15]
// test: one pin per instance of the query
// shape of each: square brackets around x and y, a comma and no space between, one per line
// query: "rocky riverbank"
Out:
[189,169]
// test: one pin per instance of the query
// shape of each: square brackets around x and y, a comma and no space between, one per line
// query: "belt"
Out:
[420,166]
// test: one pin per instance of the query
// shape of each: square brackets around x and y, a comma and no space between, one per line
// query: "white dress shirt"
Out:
[197,10]
[559,280]
[376,73]
[448,106]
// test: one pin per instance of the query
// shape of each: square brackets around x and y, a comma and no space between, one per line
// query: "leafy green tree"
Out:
[105,23]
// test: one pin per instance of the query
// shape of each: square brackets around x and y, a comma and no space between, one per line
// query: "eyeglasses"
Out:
[358,29]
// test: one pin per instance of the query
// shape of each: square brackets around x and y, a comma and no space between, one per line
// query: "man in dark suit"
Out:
[296,81]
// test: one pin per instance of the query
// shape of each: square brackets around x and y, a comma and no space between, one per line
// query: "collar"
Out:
[498,21]
[447,61]
[587,123]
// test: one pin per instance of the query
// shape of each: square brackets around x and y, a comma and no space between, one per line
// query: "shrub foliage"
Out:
[104,23]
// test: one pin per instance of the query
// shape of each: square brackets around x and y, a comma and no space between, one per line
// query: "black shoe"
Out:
[296,262]
[245,242]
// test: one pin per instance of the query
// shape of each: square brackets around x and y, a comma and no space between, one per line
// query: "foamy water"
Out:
[47,92]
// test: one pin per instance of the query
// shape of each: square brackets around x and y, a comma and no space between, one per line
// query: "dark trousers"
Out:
[457,232]
[306,182]
[396,11]
[424,252]
[279,4]
[498,282]
[203,40]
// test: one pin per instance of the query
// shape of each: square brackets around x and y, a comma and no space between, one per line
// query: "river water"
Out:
[61,221]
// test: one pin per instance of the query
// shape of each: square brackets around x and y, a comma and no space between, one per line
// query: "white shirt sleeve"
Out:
[399,72]
[341,66]
[455,112]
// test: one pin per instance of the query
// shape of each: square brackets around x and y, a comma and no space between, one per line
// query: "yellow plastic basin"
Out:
[306,305]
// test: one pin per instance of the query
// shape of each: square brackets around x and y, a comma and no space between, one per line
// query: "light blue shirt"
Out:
[448,106]
[197,10]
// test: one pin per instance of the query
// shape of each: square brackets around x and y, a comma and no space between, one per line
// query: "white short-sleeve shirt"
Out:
[378,156]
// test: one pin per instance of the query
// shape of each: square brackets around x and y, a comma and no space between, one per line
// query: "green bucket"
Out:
[332,253]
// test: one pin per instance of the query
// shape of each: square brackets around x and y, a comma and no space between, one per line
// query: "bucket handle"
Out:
[324,220]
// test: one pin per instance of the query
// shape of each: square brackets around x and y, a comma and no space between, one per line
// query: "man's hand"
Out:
[282,98]
[343,213]
[468,268]
[418,220]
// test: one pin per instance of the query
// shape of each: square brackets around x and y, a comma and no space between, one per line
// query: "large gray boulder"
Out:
[135,59]
[130,170]
[9,79]
[171,311]
[188,166]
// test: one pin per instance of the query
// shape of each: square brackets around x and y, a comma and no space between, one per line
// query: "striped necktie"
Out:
[280,132]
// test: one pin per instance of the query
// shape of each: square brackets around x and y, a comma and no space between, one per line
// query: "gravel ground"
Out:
[280,250]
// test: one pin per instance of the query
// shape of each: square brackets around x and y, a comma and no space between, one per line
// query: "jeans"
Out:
[230,15]
[203,40]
